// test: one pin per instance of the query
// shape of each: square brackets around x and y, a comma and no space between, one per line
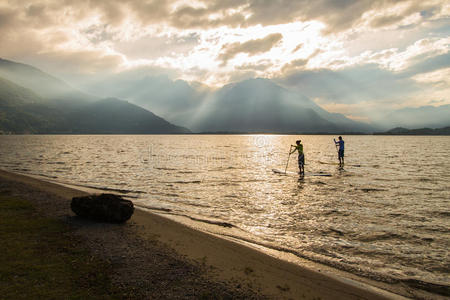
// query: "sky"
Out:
[349,56]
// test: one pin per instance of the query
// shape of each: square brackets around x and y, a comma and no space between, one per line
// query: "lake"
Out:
[385,215]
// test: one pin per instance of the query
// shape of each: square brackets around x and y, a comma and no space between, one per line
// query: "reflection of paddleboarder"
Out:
[340,143]
[301,156]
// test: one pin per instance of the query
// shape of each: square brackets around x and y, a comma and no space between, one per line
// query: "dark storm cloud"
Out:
[250,47]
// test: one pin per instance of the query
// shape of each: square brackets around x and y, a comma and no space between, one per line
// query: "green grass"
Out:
[40,258]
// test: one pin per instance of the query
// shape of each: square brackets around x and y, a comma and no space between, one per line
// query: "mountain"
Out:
[46,86]
[259,105]
[175,100]
[118,117]
[23,110]
[419,117]
[254,105]
[12,94]
[419,131]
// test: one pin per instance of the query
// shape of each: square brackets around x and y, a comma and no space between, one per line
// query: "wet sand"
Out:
[191,263]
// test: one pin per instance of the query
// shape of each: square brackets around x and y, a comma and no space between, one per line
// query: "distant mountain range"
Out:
[417,117]
[41,83]
[259,105]
[418,131]
[254,105]
[176,101]
[32,101]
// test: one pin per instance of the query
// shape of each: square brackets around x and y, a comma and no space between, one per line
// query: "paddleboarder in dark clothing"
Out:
[340,143]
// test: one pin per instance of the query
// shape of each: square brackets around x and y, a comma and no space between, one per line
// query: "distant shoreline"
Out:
[243,133]
[418,131]
[444,131]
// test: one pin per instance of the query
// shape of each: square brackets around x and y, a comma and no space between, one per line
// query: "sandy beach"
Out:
[151,251]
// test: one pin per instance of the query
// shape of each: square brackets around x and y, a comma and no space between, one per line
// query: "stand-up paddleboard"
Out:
[328,163]
[337,164]
[281,172]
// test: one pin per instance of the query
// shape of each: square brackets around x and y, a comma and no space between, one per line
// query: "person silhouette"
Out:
[340,143]
[301,156]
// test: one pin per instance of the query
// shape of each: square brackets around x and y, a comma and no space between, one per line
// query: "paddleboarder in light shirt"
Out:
[340,143]
[301,156]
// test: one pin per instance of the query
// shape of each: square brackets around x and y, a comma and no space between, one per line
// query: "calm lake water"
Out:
[386,215]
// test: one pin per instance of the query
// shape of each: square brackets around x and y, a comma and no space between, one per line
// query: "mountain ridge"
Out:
[23,111]
[45,85]
[252,105]
[256,105]
[189,104]
[416,131]
[417,117]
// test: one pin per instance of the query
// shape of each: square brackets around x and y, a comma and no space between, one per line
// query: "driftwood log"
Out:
[105,208]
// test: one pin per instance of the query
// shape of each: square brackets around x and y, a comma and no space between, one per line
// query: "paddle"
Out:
[289,156]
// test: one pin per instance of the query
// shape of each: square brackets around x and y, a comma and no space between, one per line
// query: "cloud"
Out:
[151,11]
[294,65]
[431,64]
[372,88]
[299,46]
[82,62]
[16,40]
[352,85]
[259,66]
[190,17]
[205,39]
[7,17]
[152,47]
[210,14]
[250,47]
[439,78]
[385,21]
[337,15]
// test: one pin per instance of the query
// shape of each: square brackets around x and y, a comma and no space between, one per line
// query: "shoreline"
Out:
[272,273]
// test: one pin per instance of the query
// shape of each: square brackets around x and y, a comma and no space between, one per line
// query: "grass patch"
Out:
[40,258]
